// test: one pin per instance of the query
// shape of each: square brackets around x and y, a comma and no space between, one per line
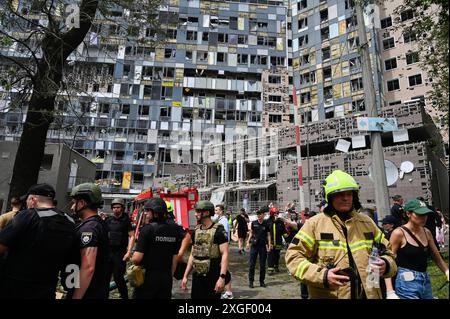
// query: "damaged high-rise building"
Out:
[224,72]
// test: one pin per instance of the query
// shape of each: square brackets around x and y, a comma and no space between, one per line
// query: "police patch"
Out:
[86,237]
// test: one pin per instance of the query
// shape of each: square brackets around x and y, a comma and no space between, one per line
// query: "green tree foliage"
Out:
[430,26]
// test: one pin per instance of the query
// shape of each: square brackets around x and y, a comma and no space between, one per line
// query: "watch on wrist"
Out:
[223,276]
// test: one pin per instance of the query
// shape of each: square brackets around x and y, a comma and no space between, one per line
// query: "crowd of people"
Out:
[342,251]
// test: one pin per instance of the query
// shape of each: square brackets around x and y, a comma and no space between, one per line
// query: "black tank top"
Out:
[413,257]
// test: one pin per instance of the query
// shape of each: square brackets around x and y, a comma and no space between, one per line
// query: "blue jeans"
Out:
[417,288]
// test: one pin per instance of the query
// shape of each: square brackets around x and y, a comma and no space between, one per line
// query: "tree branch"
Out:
[71,39]
[23,43]
[19,64]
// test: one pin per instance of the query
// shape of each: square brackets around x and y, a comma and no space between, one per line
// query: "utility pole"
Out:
[297,123]
[307,161]
[378,169]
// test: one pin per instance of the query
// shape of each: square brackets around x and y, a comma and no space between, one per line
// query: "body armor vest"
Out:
[204,249]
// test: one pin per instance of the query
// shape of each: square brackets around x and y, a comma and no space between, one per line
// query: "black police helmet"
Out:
[156,205]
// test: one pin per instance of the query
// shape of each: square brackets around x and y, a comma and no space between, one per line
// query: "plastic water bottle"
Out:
[373,258]
[373,275]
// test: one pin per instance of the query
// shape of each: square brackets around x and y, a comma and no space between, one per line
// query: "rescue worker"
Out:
[156,250]
[184,234]
[37,241]
[209,255]
[170,212]
[277,231]
[91,247]
[340,239]
[121,243]
[259,236]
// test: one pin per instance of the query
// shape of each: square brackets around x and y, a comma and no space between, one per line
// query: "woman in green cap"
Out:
[413,244]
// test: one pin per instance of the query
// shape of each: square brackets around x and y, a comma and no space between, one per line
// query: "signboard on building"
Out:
[126,180]
[377,124]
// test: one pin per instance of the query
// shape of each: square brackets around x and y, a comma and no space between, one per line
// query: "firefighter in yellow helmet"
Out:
[170,209]
[330,254]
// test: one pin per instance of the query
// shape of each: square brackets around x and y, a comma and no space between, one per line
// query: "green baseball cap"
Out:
[417,206]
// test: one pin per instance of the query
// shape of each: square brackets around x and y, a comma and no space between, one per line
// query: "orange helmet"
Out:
[273,211]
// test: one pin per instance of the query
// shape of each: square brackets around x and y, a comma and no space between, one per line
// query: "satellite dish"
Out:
[391,172]
[406,167]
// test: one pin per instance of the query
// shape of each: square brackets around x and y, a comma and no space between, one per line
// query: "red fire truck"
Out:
[182,201]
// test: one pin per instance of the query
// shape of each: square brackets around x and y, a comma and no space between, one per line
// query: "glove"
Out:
[392,295]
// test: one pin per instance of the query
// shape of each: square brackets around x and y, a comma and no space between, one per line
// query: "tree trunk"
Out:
[56,48]
[32,141]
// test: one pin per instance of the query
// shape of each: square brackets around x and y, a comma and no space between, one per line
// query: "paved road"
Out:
[279,286]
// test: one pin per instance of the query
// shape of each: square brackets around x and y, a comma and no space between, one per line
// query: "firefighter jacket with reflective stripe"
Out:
[321,242]
[277,231]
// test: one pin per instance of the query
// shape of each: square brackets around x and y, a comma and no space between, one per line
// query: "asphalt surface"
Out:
[279,285]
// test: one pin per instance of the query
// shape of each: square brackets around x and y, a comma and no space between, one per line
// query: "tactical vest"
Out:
[160,246]
[47,253]
[204,249]
[118,231]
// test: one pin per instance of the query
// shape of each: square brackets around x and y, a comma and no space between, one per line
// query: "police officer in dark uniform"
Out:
[157,249]
[261,243]
[36,242]
[397,210]
[121,243]
[91,246]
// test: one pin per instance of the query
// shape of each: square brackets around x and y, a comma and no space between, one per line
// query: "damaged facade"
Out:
[224,73]
[277,163]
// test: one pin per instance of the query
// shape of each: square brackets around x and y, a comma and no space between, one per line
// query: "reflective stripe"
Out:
[46,213]
[274,234]
[379,237]
[306,238]
[361,244]
[301,269]
[326,244]
[50,213]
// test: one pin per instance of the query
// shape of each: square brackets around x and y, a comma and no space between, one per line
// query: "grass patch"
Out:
[438,278]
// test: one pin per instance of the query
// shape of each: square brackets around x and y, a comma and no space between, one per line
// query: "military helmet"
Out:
[117,201]
[169,207]
[339,181]
[89,191]
[157,205]
[205,205]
